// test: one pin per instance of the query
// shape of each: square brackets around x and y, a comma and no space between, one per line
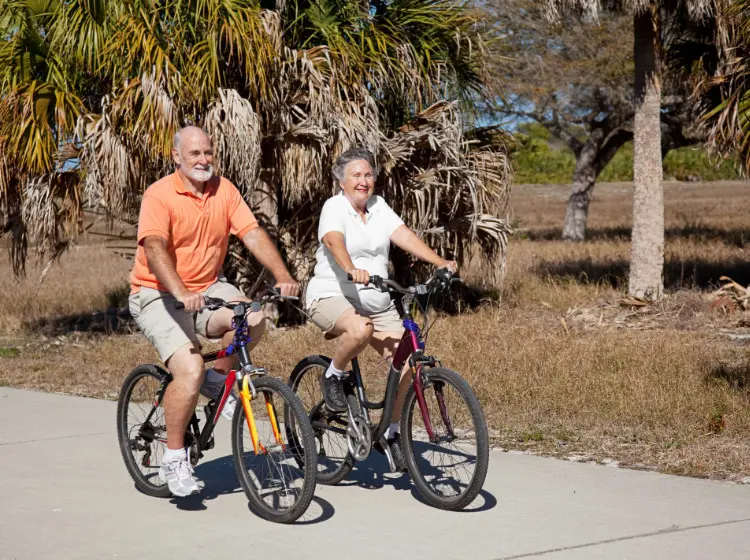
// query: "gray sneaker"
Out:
[178,475]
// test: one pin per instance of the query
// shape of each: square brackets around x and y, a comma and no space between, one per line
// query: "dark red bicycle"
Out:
[443,430]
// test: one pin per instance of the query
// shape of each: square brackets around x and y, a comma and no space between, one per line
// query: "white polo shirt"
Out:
[368,245]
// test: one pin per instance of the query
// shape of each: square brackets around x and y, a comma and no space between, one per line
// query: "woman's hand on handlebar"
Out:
[192,301]
[359,276]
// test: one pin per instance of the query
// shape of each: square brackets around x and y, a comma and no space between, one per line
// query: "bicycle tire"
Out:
[446,376]
[344,462]
[124,433]
[292,409]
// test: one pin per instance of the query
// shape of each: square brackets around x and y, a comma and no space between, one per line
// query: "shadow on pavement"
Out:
[373,474]
[220,478]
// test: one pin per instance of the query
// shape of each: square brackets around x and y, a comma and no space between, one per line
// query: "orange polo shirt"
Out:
[196,228]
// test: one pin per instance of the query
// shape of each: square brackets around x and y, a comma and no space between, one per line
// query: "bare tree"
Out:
[575,77]
[647,240]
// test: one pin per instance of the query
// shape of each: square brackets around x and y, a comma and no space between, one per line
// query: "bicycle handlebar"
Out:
[217,303]
[442,276]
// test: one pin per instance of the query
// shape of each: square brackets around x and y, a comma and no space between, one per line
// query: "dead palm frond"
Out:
[282,93]
[729,119]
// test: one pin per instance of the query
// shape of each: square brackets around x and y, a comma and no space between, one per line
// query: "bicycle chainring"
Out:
[359,445]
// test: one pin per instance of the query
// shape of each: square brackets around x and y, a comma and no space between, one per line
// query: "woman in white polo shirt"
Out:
[355,233]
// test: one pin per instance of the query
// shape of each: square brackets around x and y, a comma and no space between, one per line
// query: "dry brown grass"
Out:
[560,367]
[87,279]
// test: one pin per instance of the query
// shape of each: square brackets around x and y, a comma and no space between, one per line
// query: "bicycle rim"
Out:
[334,462]
[142,431]
[449,471]
[277,488]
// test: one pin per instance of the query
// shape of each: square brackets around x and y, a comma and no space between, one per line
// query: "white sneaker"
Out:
[178,475]
[212,390]
[229,406]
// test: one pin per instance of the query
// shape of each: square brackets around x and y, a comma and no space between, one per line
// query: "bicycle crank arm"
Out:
[388,454]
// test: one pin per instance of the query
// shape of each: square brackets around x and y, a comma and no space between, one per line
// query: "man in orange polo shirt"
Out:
[183,235]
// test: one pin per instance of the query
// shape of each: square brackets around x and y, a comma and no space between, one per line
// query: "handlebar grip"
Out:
[179,305]
[374,279]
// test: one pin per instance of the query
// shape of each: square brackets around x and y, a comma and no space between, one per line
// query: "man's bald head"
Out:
[189,133]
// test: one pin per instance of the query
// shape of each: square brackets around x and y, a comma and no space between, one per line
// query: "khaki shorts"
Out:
[169,329]
[325,312]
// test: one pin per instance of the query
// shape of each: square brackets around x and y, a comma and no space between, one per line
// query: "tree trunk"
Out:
[647,249]
[592,158]
[584,179]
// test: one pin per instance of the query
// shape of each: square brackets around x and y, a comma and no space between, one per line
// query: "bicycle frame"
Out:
[409,348]
[243,378]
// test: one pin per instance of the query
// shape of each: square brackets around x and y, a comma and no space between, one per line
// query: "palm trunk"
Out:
[647,249]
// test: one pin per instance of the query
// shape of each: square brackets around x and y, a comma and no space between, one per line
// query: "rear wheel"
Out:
[141,429]
[450,469]
[277,487]
[334,462]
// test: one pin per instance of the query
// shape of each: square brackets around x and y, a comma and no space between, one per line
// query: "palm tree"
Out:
[283,89]
[39,109]
[647,249]
[727,89]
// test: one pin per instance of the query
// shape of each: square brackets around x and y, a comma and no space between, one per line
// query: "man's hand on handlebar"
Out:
[450,265]
[358,276]
[192,301]
[287,287]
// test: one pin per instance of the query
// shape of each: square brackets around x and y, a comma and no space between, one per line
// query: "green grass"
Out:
[9,352]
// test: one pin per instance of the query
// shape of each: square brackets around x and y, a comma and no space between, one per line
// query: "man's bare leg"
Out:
[181,397]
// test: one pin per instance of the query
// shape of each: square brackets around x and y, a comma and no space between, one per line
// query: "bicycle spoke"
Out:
[448,463]
[277,479]
[331,444]
[147,441]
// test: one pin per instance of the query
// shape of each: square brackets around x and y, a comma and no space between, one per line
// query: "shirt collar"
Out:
[179,185]
[371,207]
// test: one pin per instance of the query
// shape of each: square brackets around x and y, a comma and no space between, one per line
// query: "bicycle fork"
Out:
[247,394]
[422,402]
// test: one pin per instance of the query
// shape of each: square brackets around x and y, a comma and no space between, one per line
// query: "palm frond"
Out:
[235,131]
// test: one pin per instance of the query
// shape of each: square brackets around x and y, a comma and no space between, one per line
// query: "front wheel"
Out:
[449,469]
[277,488]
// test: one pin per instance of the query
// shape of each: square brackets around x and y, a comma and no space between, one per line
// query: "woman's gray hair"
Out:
[350,155]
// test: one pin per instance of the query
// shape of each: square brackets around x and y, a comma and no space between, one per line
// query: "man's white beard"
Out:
[201,175]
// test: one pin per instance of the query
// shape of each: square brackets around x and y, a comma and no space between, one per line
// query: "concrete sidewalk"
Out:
[65,493]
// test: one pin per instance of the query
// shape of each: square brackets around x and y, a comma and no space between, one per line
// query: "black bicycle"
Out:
[275,460]
[443,430]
